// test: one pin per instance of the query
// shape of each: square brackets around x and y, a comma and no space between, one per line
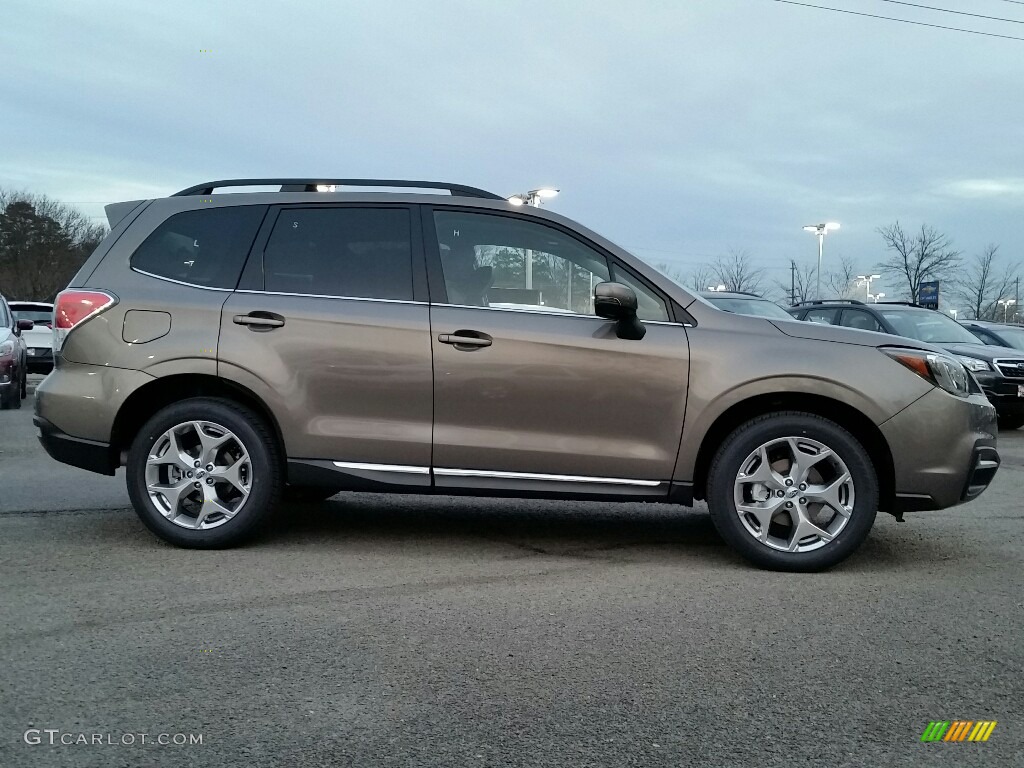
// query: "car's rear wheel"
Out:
[1011,422]
[793,491]
[24,384]
[204,473]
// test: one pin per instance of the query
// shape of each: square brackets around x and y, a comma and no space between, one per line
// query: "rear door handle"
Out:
[463,339]
[259,321]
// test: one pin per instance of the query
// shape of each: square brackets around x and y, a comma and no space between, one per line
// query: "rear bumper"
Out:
[92,455]
[944,450]
[39,359]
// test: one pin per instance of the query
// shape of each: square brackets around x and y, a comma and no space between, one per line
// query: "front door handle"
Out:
[259,321]
[473,339]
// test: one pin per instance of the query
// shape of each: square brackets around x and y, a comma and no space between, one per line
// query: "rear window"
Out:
[35,315]
[206,247]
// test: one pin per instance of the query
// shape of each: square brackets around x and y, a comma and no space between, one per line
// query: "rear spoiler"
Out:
[117,211]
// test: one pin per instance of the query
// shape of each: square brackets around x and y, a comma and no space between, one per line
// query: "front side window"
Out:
[509,263]
[858,318]
[346,252]
[205,247]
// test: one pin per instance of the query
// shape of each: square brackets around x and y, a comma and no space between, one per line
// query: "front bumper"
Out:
[943,450]
[1006,394]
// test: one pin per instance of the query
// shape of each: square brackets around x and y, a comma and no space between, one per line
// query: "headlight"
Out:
[941,370]
[6,348]
[973,363]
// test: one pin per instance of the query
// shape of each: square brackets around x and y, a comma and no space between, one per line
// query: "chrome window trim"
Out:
[181,282]
[401,468]
[498,475]
[330,296]
[548,313]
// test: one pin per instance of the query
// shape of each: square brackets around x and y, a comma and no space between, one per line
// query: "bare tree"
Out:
[916,258]
[736,272]
[42,244]
[841,281]
[800,285]
[981,284]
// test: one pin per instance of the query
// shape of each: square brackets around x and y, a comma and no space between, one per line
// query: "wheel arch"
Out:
[843,414]
[159,393]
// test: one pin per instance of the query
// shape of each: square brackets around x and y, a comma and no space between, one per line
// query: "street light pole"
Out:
[820,230]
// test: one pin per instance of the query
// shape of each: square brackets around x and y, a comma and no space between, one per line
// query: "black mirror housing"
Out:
[615,301]
[25,325]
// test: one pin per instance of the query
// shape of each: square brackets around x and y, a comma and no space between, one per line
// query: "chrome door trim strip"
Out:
[180,282]
[542,311]
[404,469]
[549,478]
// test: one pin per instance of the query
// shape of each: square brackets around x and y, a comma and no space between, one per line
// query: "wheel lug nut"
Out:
[199,485]
[209,467]
[803,486]
[209,481]
[197,464]
[789,504]
[780,494]
[190,474]
[803,500]
[789,481]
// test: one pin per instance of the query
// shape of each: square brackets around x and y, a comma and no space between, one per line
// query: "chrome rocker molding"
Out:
[363,476]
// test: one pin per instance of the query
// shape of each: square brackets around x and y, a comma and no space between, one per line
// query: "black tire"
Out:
[265,457]
[747,438]
[24,385]
[308,494]
[1011,422]
[7,397]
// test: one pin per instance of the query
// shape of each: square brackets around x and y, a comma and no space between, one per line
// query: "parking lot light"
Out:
[820,230]
[534,197]
[1006,304]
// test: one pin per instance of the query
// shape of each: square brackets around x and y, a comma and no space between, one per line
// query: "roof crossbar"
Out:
[310,185]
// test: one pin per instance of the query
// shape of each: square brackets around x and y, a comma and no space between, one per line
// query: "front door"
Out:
[533,391]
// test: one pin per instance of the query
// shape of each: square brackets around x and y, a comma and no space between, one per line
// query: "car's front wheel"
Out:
[792,491]
[204,473]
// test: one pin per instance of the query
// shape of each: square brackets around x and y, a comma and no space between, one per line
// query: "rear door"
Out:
[330,327]
[533,391]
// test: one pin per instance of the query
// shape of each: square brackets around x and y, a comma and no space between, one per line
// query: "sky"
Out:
[678,129]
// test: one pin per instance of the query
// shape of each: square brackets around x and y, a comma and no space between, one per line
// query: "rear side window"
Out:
[350,252]
[858,318]
[823,316]
[206,247]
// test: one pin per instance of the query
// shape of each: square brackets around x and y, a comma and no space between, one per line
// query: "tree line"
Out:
[43,243]
[971,283]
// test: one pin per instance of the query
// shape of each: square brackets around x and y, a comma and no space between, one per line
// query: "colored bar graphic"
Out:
[935,730]
[958,730]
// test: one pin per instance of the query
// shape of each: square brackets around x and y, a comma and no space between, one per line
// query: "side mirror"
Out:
[615,301]
[26,325]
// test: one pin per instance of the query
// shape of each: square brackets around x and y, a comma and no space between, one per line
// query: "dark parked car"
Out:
[39,340]
[997,334]
[13,370]
[999,370]
[743,303]
[231,349]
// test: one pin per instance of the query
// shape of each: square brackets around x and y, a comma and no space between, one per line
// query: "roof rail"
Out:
[832,301]
[902,303]
[310,185]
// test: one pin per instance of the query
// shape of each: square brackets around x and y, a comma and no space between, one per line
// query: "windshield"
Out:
[928,325]
[751,306]
[1014,337]
[35,315]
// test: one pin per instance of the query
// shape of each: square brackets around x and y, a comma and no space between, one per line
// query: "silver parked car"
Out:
[228,349]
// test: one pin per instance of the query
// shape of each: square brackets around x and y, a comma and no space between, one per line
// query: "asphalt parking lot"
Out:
[458,632]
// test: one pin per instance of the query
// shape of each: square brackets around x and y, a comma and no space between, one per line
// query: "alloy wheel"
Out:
[198,475]
[794,494]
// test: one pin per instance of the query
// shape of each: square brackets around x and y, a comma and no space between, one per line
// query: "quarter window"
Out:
[350,252]
[650,306]
[509,263]
[858,318]
[206,247]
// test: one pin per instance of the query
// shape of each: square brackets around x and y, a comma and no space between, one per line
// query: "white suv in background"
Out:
[40,339]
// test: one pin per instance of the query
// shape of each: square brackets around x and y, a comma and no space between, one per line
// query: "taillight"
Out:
[72,308]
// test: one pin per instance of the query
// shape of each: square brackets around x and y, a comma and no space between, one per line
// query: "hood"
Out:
[801,329]
[984,351]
